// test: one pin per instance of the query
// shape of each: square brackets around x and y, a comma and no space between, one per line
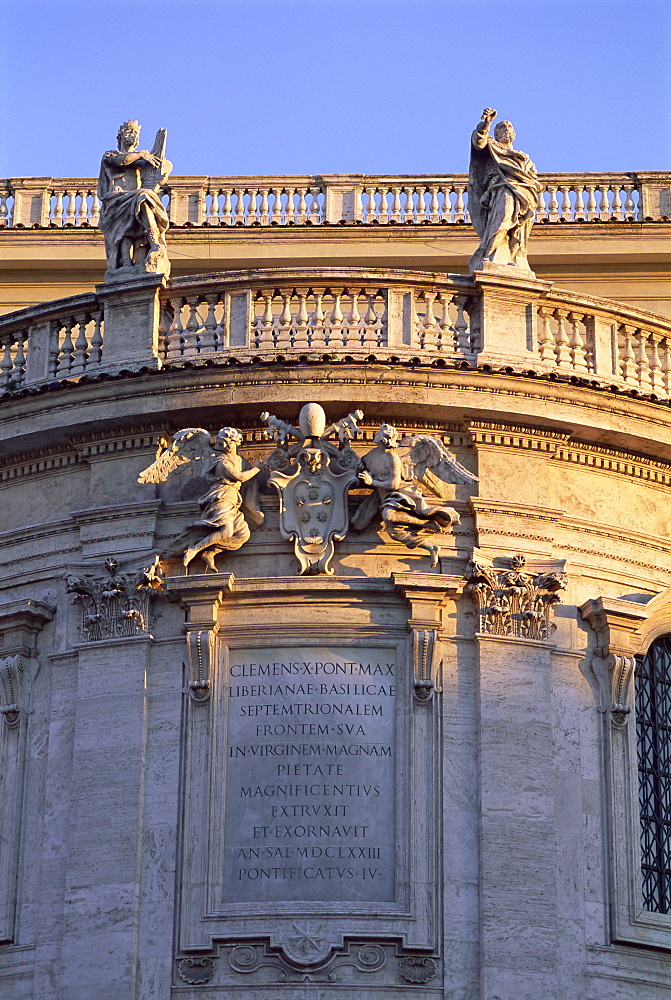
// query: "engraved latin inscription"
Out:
[310,775]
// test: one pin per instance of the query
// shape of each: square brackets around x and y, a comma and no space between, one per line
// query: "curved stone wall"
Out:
[511,759]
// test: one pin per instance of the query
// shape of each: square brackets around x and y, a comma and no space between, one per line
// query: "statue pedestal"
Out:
[507,270]
[508,316]
[132,314]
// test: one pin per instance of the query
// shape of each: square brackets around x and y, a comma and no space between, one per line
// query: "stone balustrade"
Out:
[487,320]
[45,202]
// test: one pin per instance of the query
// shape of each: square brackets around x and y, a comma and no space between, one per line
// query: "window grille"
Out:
[653,715]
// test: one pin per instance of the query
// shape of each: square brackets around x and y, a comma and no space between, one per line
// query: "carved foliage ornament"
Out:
[512,602]
[117,605]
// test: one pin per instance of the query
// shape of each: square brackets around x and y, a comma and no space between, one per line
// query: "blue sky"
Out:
[335,86]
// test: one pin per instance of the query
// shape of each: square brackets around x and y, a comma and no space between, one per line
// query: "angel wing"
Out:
[189,445]
[426,460]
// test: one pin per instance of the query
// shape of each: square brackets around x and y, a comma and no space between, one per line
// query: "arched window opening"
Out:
[653,723]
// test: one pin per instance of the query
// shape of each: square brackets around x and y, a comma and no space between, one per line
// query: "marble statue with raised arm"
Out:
[502,195]
[133,219]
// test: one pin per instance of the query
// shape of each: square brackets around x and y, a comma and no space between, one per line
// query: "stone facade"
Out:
[391,779]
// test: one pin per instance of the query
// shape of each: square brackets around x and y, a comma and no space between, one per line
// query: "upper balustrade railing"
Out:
[302,315]
[46,202]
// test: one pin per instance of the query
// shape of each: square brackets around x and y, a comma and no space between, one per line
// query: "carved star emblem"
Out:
[305,941]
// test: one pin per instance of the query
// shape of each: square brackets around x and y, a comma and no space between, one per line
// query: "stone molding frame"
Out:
[356,612]
[20,622]
[624,630]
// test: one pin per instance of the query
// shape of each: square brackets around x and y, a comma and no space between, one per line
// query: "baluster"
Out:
[562,343]
[423,208]
[238,216]
[370,204]
[540,208]
[604,208]
[617,203]
[95,209]
[553,213]
[57,217]
[546,343]
[396,205]
[96,349]
[164,319]
[80,358]
[227,215]
[66,351]
[6,365]
[174,351]
[428,337]
[627,364]
[54,347]
[383,213]
[317,332]
[82,214]
[666,366]
[313,215]
[212,217]
[475,321]
[591,203]
[70,216]
[263,324]
[434,215]
[302,208]
[264,216]
[461,330]
[409,208]
[4,209]
[577,343]
[208,338]
[655,363]
[629,206]
[365,329]
[579,209]
[251,207]
[565,211]
[284,322]
[444,334]
[356,328]
[190,335]
[19,361]
[289,207]
[336,321]
[642,365]
[459,205]
[301,322]
[381,333]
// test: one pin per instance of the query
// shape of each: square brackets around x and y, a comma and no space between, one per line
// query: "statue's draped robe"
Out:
[122,195]
[502,186]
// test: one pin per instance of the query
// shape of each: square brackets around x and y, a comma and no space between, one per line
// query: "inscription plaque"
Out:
[310,775]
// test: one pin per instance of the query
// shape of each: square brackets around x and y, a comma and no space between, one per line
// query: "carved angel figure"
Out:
[224,502]
[398,498]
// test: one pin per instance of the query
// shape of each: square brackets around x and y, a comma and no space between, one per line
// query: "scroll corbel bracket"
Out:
[613,674]
[11,683]
[621,670]
[200,645]
[423,652]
